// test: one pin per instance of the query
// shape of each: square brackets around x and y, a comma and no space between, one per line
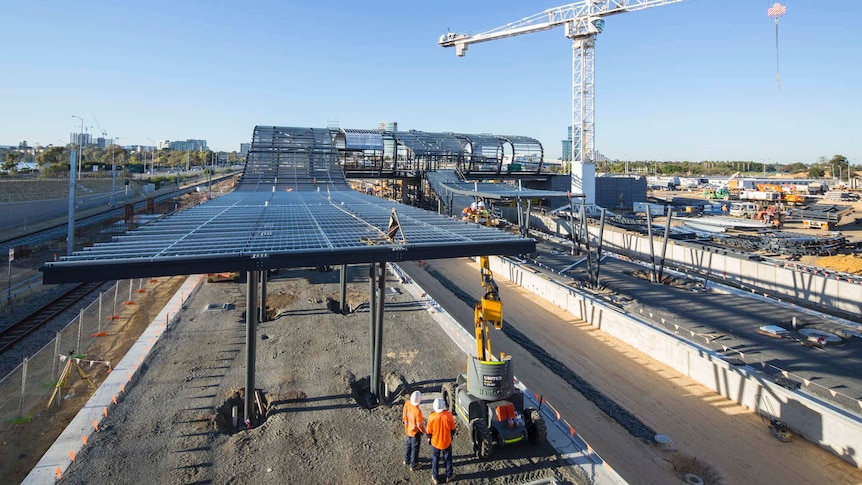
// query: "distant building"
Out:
[388,143]
[163,144]
[567,147]
[188,145]
[243,148]
[81,139]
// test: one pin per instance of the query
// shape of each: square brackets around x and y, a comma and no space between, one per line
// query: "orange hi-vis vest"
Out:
[440,427]
[413,420]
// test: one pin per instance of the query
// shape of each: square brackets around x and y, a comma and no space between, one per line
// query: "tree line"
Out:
[55,160]
[837,166]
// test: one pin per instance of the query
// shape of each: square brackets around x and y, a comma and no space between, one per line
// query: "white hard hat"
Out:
[473,206]
[416,398]
[481,204]
[439,405]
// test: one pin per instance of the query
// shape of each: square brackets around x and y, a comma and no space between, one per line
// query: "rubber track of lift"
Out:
[622,416]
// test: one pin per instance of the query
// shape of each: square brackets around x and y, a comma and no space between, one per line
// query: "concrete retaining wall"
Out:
[834,429]
[791,281]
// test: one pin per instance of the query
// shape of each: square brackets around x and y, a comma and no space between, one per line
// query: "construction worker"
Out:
[483,214]
[414,428]
[441,425]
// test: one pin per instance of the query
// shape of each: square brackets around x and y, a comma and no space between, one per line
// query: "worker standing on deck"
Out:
[441,425]
[414,428]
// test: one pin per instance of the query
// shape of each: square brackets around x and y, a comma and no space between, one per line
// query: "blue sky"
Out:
[690,81]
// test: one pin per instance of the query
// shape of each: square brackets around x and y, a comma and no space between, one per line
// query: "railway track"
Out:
[14,333]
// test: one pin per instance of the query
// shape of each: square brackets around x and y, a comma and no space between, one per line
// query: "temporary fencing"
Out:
[25,392]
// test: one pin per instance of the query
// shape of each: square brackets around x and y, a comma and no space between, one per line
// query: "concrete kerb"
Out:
[561,435]
[62,453]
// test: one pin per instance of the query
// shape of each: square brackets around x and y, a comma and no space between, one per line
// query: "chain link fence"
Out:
[72,357]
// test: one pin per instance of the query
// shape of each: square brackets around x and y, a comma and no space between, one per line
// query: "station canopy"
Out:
[424,144]
[292,207]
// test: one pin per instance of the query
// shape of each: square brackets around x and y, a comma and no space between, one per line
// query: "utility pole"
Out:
[80,140]
[153,158]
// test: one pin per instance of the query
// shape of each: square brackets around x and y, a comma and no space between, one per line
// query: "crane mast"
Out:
[582,21]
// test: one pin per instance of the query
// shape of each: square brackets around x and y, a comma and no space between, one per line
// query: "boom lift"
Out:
[583,20]
[485,398]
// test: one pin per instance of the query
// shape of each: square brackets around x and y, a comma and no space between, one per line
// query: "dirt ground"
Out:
[24,443]
[173,425]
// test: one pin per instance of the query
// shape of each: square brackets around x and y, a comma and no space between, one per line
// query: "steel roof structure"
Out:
[292,208]
[499,191]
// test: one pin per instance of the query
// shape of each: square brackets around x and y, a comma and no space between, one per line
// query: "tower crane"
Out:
[101,131]
[582,20]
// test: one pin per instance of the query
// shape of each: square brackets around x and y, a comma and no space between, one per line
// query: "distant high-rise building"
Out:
[243,148]
[188,145]
[81,139]
[567,147]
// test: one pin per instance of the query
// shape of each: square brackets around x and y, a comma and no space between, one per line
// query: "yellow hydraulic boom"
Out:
[487,311]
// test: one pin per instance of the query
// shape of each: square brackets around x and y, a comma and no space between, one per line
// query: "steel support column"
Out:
[343,282]
[653,276]
[263,278]
[664,243]
[599,246]
[378,357]
[250,327]
[372,311]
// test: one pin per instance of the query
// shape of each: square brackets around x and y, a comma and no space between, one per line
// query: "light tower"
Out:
[582,20]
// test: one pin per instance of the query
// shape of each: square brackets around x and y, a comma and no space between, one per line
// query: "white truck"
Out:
[764,196]
[747,210]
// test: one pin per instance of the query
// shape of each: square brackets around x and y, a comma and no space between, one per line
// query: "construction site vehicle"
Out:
[747,210]
[485,398]
[764,196]
[719,193]
[769,215]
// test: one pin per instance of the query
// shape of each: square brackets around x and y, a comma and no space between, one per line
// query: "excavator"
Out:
[485,398]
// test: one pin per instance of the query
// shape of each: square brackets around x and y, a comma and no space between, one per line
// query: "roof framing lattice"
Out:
[293,208]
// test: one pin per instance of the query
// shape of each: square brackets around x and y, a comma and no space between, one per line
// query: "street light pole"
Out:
[80,140]
[153,164]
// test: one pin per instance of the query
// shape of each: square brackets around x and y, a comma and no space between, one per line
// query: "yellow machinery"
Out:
[485,398]
[488,311]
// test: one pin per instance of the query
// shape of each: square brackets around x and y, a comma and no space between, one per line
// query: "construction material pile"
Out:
[846,263]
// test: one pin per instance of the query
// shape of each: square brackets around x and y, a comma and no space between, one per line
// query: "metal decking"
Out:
[292,208]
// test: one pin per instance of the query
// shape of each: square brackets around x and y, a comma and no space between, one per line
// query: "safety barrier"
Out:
[109,394]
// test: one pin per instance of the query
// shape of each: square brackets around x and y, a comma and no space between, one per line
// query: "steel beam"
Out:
[343,285]
[250,328]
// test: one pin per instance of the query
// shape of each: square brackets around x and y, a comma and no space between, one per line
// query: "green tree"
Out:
[53,157]
[12,159]
[815,171]
[795,167]
[839,165]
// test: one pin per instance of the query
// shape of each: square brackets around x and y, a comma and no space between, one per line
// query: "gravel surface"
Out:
[173,424]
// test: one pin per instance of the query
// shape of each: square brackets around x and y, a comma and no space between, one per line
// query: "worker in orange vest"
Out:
[441,425]
[414,428]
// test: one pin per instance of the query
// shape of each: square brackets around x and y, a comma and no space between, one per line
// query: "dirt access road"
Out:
[171,427]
